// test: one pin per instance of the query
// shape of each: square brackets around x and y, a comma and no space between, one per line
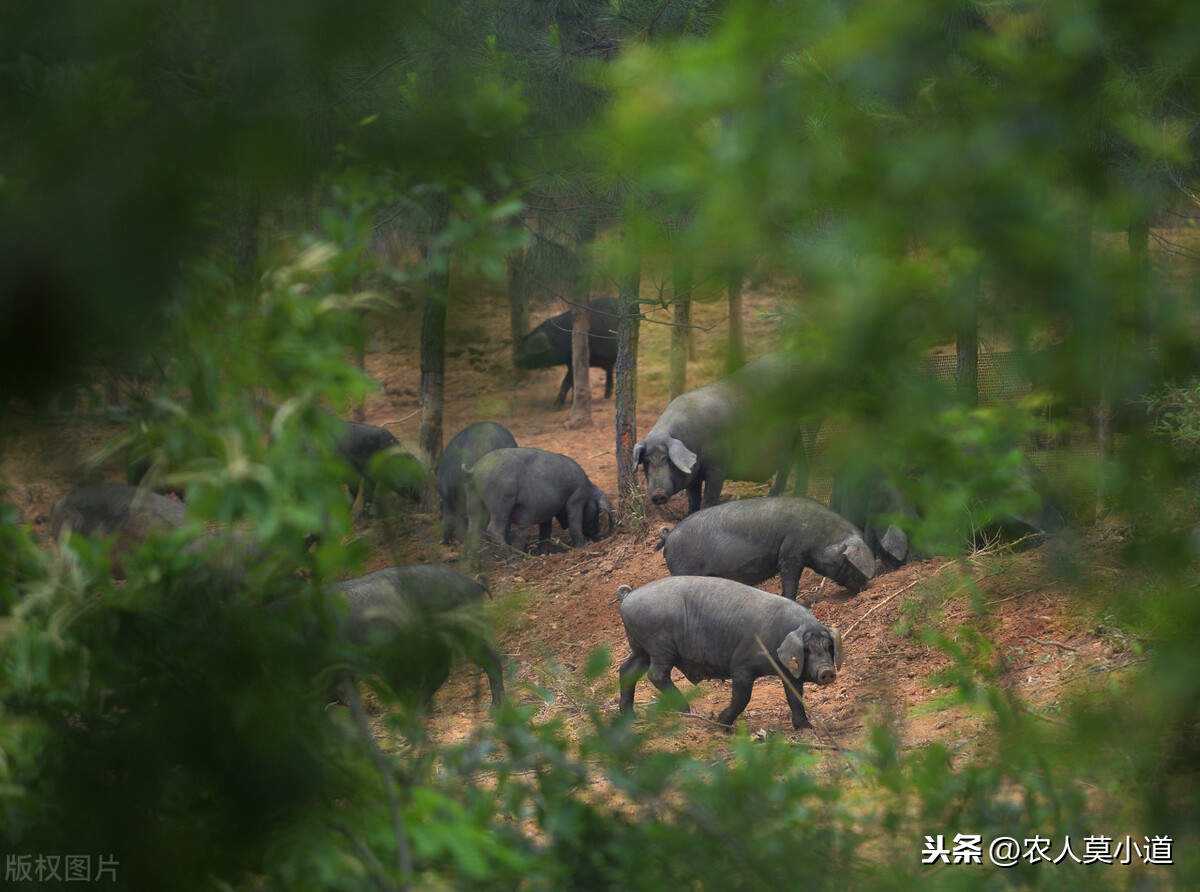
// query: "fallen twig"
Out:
[1048,643]
[401,420]
[1027,591]
[1096,670]
[1046,718]
[704,718]
[846,633]
[817,725]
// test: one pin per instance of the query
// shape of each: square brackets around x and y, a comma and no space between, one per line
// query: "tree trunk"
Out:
[358,412]
[245,248]
[966,373]
[1104,446]
[433,360]
[626,390]
[737,333]
[581,393]
[581,365]
[683,340]
[1139,258]
[1103,410]
[518,301]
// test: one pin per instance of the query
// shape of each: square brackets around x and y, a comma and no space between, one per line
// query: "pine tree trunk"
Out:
[1139,258]
[581,365]
[518,301]
[1103,409]
[581,395]
[245,248]
[433,361]
[737,335]
[626,390]
[682,336]
[966,373]
[1104,447]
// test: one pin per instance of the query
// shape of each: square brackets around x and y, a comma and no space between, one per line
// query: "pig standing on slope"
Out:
[717,628]
[550,344]
[751,540]
[531,486]
[359,445]
[465,448]
[413,598]
[725,430]
[127,513]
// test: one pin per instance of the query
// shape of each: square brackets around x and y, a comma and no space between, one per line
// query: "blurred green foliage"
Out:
[879,154]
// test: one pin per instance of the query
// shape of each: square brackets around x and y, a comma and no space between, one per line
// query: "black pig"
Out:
[751,540]
[417,597]
[718,628]
[360,443]
[127,513]
[549,344]
[525,486]
[719,432]
[465,448]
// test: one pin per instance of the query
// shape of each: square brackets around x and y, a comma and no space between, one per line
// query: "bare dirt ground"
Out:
[553,610]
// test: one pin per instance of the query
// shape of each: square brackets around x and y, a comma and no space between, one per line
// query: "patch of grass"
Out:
[509,610]
[636,518]
[493,406]
[1118,635]
[924,610]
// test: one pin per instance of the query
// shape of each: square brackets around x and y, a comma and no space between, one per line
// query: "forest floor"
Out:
[552,611]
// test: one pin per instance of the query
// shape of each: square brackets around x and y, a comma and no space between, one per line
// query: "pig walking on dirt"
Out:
[128,513]
[867,499]
[726,430]
[549,344]
[717,628]
[358,445]
[525,486]
[752,540]
[465,448]
[397,599]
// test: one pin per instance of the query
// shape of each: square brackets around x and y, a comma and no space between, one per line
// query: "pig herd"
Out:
[704,619]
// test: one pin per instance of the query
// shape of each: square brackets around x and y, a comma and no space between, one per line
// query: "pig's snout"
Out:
[659,498]
[826,676]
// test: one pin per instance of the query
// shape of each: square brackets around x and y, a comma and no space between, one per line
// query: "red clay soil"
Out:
[553,610]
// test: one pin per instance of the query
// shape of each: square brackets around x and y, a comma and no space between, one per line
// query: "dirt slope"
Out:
[554,609]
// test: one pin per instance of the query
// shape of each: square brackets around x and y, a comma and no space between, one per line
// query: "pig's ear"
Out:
[537,342]
[791,653]
[681,457]
[895,543]
[858,554]
[639,452]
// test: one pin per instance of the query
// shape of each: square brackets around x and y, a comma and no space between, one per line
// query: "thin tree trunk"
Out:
[737,335]
[433,361]
[1139,258]
[581,372]
[1103,409]
[626,390]
[1104,446]
[358,411]
[966,373]
[518,301]
[581,365]
[682,336]
[245,248]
